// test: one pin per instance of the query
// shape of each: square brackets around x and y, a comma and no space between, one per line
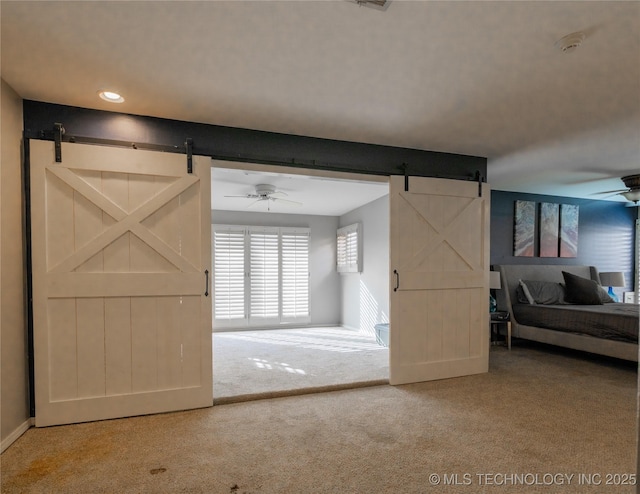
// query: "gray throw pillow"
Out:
[527,295]
[546,292]
[581,290]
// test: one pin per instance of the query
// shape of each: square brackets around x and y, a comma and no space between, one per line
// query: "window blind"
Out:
[229,274]
[261,275]
[636,281]
[348,249]
[264,269]
[295,275]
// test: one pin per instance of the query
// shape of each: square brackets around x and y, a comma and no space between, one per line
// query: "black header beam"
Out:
[244,145]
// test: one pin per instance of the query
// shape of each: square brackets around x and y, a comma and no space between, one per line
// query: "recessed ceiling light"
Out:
[110,96]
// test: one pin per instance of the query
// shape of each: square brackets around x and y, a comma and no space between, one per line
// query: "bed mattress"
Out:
[610,321]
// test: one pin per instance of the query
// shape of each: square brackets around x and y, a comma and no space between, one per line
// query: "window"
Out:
[275,263]
[263,275]
[348,245]
[229,274]
[636,281]
[295,275]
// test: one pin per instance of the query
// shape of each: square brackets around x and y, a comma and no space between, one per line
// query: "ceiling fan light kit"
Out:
[632,182]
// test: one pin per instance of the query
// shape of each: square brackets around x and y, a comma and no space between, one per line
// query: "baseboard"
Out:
[13,437]
[350,328]
[280,326]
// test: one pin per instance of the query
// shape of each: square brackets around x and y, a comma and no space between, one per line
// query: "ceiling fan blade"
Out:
[293,203]
[279,193]
[247,196]
[254,202]
[609,192]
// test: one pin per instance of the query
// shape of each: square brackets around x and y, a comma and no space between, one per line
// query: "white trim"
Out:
[15,435]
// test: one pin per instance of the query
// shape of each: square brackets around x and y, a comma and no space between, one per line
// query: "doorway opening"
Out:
[275,332]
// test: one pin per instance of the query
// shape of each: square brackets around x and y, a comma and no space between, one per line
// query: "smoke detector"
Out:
[376,4]
[570,42]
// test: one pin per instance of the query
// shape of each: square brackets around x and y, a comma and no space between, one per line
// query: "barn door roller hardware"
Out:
[480,179]
[58,132]
[188,144]
[59,135]
[405,170]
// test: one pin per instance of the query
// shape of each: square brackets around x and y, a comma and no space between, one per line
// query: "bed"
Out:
[606,329]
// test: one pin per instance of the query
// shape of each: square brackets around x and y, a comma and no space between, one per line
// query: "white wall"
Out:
[14,394]
[365,295]
[324,282]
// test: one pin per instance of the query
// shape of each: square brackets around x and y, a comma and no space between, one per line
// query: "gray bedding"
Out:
[563,327]
[611,321]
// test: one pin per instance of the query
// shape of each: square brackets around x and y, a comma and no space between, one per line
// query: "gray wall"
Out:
[606,234]
[324,282]
[14,397]
[365,295]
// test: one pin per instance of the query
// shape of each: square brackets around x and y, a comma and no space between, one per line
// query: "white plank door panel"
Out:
[121,243]
[439,267]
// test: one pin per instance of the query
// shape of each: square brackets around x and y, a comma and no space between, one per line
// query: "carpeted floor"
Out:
[268,363]
[540,421]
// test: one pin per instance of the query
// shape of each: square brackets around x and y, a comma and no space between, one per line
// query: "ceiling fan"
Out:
[268,194]
[632,191]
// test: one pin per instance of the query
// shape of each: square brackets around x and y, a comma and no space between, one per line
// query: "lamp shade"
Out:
[494,280]
[613,278]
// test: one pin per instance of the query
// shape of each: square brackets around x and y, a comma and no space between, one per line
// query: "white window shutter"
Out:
[261,276]
[228,274]
[264,273]
[636,281]
[295,275]
[348,249]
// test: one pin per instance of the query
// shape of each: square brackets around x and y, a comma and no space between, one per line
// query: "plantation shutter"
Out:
[348,249]
[636,282]
[229,275]
[295,275]
[264,269]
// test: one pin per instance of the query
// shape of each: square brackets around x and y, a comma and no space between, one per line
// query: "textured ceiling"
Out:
[316,195]
[481,78]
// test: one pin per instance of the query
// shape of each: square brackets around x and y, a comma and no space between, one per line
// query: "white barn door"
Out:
[122,310]
[439,251]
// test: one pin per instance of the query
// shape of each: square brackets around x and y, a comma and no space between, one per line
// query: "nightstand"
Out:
[501,317]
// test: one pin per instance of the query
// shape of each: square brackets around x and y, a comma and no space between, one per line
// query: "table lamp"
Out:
[611,279]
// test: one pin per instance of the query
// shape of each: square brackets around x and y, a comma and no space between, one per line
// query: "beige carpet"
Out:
[255,364]
[535,412]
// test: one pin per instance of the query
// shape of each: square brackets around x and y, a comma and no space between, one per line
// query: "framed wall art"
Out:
[549,229]
[568,230]
[524,228]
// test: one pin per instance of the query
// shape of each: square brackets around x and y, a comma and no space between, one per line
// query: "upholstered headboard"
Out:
[510,274]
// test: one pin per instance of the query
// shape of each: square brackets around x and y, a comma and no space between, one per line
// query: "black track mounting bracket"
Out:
[58,132]
[405,169]
[480,179]
[188,144]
